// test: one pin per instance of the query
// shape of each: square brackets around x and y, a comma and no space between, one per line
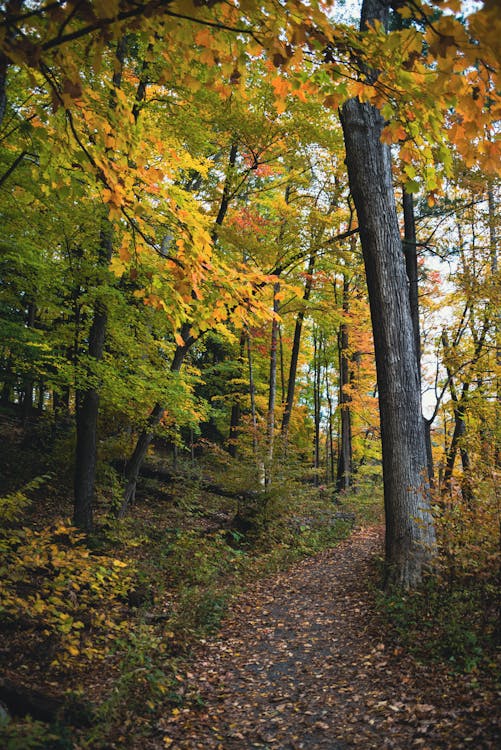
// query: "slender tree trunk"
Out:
[226,196]
[27,406]
[41,395]
[345,455]
[317,369]
[282,371]
[493,241]
[330,435]
[411,267]
[236,406]
[457,440]
[87,408]
[3,86]
[296,345]
[272,392]
[11,9]
[410,536]
[252,393]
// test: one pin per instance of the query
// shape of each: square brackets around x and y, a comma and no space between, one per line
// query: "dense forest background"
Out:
[214,303]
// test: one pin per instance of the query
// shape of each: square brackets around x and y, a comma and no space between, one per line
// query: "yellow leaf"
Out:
[406,11]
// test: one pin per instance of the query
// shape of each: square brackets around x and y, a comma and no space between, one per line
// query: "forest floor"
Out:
[305,661]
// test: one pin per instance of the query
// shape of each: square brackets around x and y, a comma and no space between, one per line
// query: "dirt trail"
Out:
[303,663]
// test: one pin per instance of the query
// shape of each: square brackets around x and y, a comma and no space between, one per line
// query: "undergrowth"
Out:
[455,616]
[137,595]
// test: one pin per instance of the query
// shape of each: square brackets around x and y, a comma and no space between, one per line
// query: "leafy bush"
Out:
[27,734]
[199,560]
[437,624]
[455,616]
[203,568]
[52,586]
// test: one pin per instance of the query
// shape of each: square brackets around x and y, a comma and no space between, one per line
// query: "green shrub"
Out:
[28,734]
[53,587]
[440,624]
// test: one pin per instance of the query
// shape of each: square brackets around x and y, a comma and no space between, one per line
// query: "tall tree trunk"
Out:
[41,395]
[282,371]
[3,86]
[410,535]
[27,406]
[226,196]
[457,440]
[411,267]
[272,391]
[11,9]
[493,242]
[236,406]
[345,455]
[317,369]
[296,345]
[87,408]
[261,478]
[330,436]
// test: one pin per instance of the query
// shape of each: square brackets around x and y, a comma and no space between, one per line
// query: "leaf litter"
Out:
[305,662]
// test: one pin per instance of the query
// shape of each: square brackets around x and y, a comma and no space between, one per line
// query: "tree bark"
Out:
[345,455]
[317,369]
[226,196]
[3,86]
[410,535]
[411,267]
[329,459]
[457,440]
[11,8]
[252,395]
[87,408]
[272,391]
[291,383]
[236,409]
[27,406]
[493,242]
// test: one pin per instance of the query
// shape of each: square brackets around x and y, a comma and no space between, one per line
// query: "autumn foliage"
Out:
[187,358]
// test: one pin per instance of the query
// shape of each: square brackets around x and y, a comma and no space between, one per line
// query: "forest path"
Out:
[303,663]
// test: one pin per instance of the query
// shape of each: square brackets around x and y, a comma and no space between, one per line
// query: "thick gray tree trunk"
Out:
[410,536]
